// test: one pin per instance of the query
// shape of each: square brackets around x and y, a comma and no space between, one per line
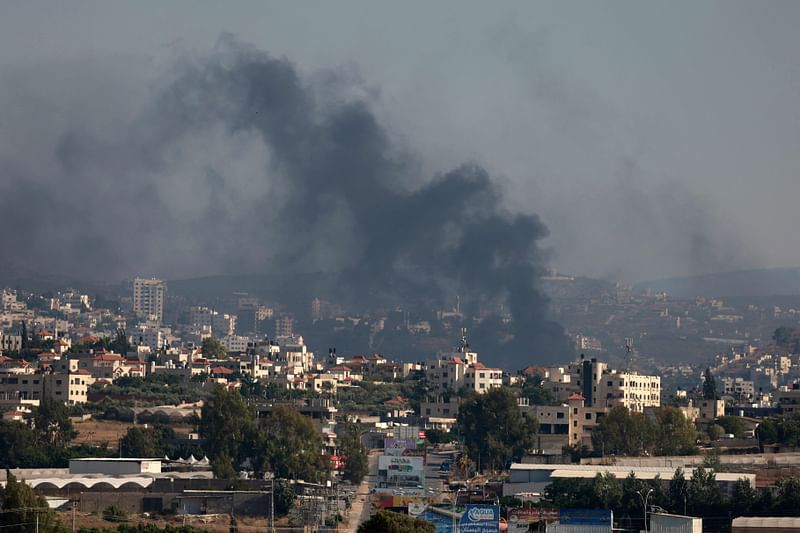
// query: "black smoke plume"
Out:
[241,165]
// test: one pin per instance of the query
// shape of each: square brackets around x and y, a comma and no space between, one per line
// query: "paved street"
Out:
[360,511]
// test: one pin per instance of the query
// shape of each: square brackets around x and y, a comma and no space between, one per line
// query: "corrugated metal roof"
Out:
[642,472]
[767,522]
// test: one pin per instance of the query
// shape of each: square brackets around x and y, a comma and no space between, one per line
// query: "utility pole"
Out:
[74,505]
[272,504]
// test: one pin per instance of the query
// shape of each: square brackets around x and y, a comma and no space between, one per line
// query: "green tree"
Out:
[23,508]
[222,466]
[228,424]
[678,492]
[744,498]
[674,433]
[780,429]
[120,344]
[536,394]
[732,424]
[709,385]
[283,498]
[356,462]
[705,496]
[607,490]
[788,497]
[24,334]
[18,447]
[571,492]
[145,441]
[389,522]
[213,349]
[715,431]
[52,424]
[494,429]
[294,447]
[623,432]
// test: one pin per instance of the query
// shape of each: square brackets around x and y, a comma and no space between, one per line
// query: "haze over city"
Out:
[652,141]
[414,267]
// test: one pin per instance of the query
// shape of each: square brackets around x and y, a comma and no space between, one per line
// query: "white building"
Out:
[148,298]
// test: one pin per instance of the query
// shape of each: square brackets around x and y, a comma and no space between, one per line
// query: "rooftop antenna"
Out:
[630,355]
[464,343]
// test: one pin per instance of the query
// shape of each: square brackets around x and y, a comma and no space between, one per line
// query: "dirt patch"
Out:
[96,432]
[211,523]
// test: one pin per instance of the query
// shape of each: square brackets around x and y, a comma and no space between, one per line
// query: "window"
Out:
[574,410]
[610,383]
[482,375]
[588,416]
[559,415]
[574,423]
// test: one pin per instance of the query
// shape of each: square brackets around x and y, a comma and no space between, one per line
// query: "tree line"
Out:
[700,495]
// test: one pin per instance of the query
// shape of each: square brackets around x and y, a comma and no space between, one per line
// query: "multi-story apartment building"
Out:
[568,424]
[738,387]
[221,324]
[235,343]
[295,355]
[22,382]
[10,343]
[148,298]
[284,326]
[629,389]
[789,399]
[480,378]
[603,387]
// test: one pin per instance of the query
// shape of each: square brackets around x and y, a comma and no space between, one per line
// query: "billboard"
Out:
[392,501]
[586,517]
[398,446]
[520,519]
[480,518]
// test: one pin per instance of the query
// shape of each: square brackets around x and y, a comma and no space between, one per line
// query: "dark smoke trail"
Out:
[335,197]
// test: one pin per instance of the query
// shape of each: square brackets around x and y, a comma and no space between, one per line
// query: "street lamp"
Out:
[644,505]
[455,503]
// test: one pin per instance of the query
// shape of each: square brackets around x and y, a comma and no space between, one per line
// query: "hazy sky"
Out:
[653,139]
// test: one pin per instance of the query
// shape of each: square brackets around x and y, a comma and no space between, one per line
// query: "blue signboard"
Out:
[586,517]
[480,518]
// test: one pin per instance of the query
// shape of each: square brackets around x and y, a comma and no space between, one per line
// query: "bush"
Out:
[112,513]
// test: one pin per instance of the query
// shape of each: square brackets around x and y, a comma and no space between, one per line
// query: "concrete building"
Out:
[569,424]
[670,523]
[10,343]
[631,390]
[235,343]
[763,524]
[533,478]
[148,298]
[480,378]
[603,387]
[789,400]
[295,354]
[284,326]
[220,324]
[115,466]
[738,387]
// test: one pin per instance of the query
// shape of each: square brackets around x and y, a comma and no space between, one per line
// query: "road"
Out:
[434,484]
[362,507]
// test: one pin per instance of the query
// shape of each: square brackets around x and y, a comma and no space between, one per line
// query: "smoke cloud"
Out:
[240,164]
